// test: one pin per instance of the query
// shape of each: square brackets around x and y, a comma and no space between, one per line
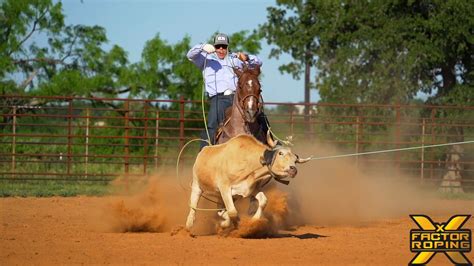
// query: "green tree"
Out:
[388,51]
[19,20]
[378,51]
[39,54]
[290,27]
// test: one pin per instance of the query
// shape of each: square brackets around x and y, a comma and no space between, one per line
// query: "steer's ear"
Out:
[267,158]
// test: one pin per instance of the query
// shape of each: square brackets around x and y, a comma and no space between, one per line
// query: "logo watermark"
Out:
[448,238]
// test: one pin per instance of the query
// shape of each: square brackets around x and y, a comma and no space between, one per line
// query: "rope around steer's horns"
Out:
[390,150]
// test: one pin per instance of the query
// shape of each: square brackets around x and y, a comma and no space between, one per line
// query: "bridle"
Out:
[241,102]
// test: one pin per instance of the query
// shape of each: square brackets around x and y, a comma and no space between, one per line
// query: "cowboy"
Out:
[219,78]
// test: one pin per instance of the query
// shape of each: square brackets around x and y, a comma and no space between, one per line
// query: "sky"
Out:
[130,23]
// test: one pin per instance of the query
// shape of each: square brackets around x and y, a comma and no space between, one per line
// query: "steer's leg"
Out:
[225,216]
[226,194]
[193,203]
[262,202]
[253,205]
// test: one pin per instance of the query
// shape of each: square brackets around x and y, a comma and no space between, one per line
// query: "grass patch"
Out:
[9,188]
[455,196]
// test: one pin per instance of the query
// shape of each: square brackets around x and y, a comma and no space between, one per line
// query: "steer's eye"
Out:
[280,153]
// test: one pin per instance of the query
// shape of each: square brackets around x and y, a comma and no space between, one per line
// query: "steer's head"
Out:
[280,160]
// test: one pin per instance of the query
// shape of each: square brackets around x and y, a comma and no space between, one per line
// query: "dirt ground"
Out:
[59,231]
[332,213]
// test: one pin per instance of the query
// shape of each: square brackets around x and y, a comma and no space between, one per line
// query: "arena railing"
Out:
[98,139]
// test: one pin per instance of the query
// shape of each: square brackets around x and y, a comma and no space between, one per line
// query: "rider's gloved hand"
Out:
[208,48]
[242,56]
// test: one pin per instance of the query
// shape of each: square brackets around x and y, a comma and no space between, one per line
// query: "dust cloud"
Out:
[275,217]
[160,204]
[324,192]
[344,192]
[146,204]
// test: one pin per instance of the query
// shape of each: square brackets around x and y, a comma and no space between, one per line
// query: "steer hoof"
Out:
[262,200]
[225,223]
[225,215]
[221,213]
[232,214]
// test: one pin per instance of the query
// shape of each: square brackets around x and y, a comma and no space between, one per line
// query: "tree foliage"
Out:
[290,28]
[40,55]
[389,51]
[379,51]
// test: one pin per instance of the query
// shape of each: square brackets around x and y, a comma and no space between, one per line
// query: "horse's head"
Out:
[248,92]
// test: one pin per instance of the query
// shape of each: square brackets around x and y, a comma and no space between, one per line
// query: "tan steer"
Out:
[240,167]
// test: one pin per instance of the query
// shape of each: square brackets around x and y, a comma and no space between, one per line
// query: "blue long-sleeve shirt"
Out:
[218,73]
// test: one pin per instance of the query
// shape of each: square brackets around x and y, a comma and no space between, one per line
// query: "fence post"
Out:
[157,136]
[398,136]
[69,137]
[291,123]
[358,121]
[433,136]
[87,140]
[311,126]
[145,139]
[126,158]
[181,122]
[14,143]
[422,171]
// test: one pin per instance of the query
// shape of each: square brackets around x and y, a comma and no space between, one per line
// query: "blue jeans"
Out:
[216,115]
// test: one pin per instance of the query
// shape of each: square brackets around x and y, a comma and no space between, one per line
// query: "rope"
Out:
[193,140]
[210,210]
[202,101]
[185,188]
[286,142]
[391,150]
[203,93]
[179,156]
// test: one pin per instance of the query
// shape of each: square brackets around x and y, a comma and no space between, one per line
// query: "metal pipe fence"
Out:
[76,138]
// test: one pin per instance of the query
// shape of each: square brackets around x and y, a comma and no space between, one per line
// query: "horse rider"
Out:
[219,78]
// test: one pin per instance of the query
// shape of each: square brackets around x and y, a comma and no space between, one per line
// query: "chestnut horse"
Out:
[241,117]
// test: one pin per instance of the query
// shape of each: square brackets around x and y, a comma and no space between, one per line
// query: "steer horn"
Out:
[298,160]
[270,141]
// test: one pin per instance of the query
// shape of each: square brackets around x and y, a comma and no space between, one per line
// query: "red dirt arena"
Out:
[329,216]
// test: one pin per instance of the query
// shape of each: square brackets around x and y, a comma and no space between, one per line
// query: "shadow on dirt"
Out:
[302,236]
